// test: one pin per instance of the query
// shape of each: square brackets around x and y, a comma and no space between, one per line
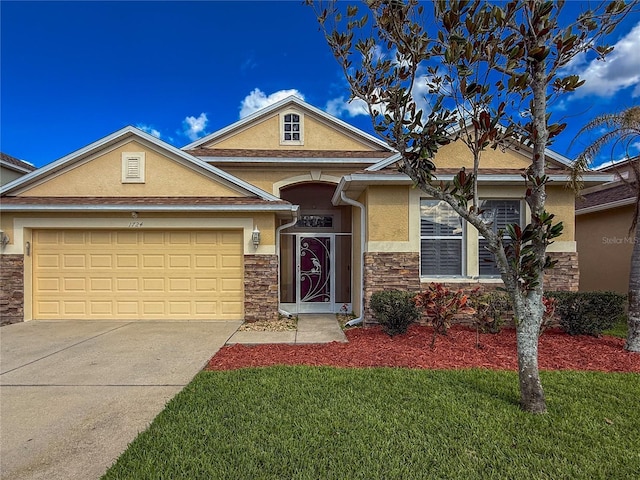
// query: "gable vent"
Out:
[133,167]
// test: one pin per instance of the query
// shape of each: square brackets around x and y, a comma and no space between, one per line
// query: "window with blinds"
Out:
[442,236]
[500,213]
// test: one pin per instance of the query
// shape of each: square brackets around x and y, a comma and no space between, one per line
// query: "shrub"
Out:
[491,308]
[441,304]
[394,310]
[588,313]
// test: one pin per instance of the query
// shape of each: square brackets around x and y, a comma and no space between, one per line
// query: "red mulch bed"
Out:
[371,347]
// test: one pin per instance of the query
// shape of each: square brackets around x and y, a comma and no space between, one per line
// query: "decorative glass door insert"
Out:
[315,273]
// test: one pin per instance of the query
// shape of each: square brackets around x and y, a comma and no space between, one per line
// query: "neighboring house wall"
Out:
[605,246]
[8,175]
[12,168]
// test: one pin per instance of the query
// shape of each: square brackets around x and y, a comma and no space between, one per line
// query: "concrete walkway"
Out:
[321,328]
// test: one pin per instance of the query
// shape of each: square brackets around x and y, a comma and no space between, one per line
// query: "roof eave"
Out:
[282,208]
[606,206]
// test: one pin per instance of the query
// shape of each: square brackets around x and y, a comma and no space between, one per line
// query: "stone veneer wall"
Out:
[388,271]
[565,276]
[11,289]
[260,287]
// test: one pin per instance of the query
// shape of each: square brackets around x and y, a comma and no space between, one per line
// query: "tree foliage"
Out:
[481,72]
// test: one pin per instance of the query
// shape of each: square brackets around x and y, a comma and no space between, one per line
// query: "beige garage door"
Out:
[129,275]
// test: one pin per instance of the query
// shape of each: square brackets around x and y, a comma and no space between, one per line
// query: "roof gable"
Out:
[260,131]
[64,177]
[457,155]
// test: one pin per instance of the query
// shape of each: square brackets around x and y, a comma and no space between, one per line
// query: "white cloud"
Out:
[194,127]
[339,107]
[257,100]
[149,129]
[620,70]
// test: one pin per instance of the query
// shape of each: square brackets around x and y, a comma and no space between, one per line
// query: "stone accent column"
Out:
[11,289]
[260,287]
[565,276]
[389,271]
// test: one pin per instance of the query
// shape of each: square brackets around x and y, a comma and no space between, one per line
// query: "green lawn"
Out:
[328,423]
[619,329]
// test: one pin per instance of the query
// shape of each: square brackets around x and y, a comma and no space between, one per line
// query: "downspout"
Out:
[282,312]
[350,201]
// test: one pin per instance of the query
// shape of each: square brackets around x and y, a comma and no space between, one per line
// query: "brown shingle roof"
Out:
[16,162]
[248,153]
[602,197]
[160,201]
[452,171]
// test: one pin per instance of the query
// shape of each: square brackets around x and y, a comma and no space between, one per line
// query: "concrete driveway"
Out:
[74,394]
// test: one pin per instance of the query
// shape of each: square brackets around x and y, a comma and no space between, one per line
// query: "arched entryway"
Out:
[316,253]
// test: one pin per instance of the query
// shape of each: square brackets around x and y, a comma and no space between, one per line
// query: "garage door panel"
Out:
[179,261]
[44,261]
[72,308]
[153,284]
[51,285]
[127,285]
[73,261]
[75,285]
[138,274]
[127,261]
[101,309]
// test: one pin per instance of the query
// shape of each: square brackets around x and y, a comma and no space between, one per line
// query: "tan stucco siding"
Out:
[560,202]
[266,135]
[457,155]
[604,249]
[6,225]
[388,214]
[266,178]
[102,176]
[266,223]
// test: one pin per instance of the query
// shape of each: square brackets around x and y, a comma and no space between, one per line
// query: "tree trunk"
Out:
[633,332]
[528,309]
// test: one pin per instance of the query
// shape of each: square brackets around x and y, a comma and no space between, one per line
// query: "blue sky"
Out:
[73,72]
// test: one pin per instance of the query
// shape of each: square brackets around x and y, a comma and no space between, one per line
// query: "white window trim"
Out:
[464,241]
[291,142]
[127,158]
[471,237]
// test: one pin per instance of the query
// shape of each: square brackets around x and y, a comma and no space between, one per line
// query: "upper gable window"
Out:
[133,167]
[291,129]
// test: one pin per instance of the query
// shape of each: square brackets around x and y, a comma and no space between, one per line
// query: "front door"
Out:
[315,266]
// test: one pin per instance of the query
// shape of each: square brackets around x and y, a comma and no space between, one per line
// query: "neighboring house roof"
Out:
[134,133]
[284,103]
[15,164]
[613,194]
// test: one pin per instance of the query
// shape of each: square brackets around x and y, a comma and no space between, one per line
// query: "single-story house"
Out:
[604,214]
[288,210]
[12,168]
